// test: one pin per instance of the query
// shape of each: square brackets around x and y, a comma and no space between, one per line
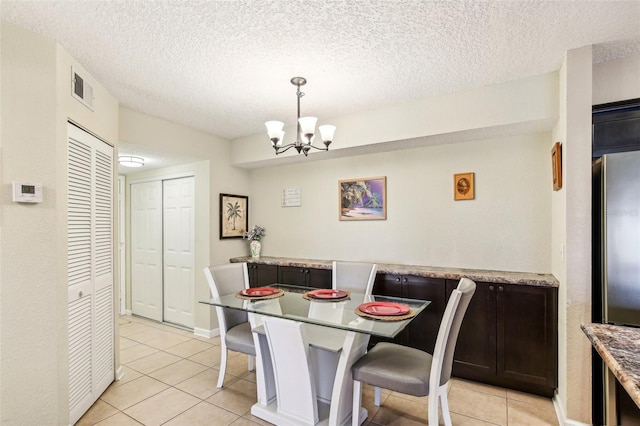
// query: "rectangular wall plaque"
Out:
[291,197]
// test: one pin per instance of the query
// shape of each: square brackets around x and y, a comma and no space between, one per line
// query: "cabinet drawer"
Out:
[304,277]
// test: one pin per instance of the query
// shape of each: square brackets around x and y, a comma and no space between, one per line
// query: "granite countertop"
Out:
[500,277]
[619,347]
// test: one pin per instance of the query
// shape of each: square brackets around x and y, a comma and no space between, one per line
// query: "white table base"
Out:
[334,352]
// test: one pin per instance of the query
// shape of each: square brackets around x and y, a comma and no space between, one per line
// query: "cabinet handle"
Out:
[501,288]
[404,280]
[306,271]
[490,288]
[80,293]
[398,279]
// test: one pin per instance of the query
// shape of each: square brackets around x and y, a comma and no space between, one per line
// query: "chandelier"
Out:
[306,129]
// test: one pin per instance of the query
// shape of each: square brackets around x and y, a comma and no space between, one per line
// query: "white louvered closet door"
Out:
[90,269]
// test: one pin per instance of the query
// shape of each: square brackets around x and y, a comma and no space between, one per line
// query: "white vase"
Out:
[255,248]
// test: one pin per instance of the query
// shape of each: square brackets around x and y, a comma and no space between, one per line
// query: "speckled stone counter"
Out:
[502,277]
[619,347]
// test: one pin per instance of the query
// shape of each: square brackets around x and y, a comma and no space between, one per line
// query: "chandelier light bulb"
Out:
[326,132]
[274,128]
[307,125]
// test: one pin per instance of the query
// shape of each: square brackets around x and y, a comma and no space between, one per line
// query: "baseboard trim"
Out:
[204,332]
[562,417]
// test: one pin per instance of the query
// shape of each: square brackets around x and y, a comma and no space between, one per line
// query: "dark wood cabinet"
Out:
[261,275]
[423,330]
[509,337]
[476,349]
[616,127]
[304,277]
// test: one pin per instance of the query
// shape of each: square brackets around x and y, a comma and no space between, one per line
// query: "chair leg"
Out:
[376,399]
[433,408]
[444,403]
[252,362]
[223,366]
[357,402]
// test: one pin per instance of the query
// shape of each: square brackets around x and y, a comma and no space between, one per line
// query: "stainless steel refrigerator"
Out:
[616,266]
[620,238]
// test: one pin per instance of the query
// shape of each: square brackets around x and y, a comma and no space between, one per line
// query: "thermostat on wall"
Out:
[27,192]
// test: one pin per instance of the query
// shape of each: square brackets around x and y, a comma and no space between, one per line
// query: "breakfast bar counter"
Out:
[500,277]
[619,348]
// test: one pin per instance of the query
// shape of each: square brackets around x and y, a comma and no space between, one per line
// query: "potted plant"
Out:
[254,235]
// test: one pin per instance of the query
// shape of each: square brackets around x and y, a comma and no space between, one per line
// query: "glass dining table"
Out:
[344,326]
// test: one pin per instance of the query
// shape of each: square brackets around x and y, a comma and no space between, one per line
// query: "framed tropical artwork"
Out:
[363,198]
[234,215]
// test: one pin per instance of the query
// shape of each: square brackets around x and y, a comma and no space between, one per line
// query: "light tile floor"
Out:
[170,378]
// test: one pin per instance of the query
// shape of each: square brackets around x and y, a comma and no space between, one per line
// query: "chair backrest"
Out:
[448,333]
[292,368]
[355,276]
[228,279]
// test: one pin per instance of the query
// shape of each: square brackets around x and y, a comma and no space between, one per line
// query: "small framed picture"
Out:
[362,199]
[234,215]
[556,165]
[463,186]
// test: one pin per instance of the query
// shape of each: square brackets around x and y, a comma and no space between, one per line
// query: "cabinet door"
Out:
[527,334]
[292,275]
[423,330]
[262,275]
[304,277]
[388,285]
[318,278]
[475,355]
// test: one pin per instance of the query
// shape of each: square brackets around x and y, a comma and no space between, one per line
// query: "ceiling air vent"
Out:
[81,90]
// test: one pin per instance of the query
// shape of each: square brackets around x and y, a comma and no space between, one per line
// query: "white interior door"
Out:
[90,269]
[121,242]
[146,249]
[178,218]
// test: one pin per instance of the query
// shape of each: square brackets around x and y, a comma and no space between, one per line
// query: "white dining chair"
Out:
[353,276]
[293,371]
[412,371]
[235,330]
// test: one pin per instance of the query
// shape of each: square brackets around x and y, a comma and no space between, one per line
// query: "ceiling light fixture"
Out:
[306,129]
[130,161]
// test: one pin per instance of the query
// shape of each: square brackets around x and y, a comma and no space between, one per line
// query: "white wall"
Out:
[581,85]
[616,80]
[29,315]
[506,227]
[36,104]
[572,206]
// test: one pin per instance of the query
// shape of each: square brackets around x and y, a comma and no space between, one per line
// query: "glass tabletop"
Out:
[334,313]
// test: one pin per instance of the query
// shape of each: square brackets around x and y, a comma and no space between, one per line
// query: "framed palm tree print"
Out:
[363,198]
[234,215]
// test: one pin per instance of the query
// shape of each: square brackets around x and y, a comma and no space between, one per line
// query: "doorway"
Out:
[162,250]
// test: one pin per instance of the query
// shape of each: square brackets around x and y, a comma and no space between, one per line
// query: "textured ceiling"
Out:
[224,66]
